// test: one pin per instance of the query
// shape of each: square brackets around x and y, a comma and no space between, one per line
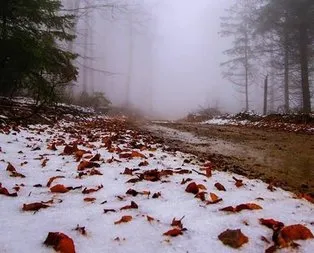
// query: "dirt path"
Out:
[287,158]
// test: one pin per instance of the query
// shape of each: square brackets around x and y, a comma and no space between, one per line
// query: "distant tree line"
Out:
[34,60]
[276,38]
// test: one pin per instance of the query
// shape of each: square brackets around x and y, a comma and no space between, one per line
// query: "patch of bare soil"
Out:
[283,158]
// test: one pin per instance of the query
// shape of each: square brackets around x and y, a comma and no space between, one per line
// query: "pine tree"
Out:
[33,57]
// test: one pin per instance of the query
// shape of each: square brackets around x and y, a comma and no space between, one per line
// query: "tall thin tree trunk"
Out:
[130,63]
[286,74]
[304,62]
[265,94]
[246,74]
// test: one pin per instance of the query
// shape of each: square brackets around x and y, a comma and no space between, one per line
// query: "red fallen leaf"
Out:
[264,239]
[201,196]
[238,182]
[89,199]
[220,187]
[174,232]
[60,242]
[142,164]
[69,150]
[248,206]
[52,147]
[87,191]
[208,171]
[95,172]
[133,180]
[136,154]
[132,206]
[177,223]
[184,181]
[239,208]
[124,219]
[59,188]
[52,179]
[149,218]
[294,232]
[87,165]
[34,206]
[125,155]
[192,188]
[233,238]
[271,223]
[81,230]
[5,192]
[95,158]
[109,210]
[79,154]
[10,168]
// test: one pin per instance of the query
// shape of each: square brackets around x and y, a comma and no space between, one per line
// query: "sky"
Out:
[170,61]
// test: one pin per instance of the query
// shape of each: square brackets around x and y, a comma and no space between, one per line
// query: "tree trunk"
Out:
[304,62]
[246,74]
[265,94]
[286,74]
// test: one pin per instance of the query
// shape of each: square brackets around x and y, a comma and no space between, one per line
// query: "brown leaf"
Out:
[156,195]
[60,242]
[149,218]
[238,182]
[124,219]
[174,232]
[59,188]
[271,223]
[233,238]
[192,188]
[220,187]
[52,147]
[132,192]
[87,191]
[95,158]
[81,230]
[177,223]
[34,206]
[89,199]
[69,150]
[13,171]
[11,168]
[4,191]
[128,171]
[239,208]
[201,195]
[136,154]
[95,172]
[184,181]
[44,162]
[52,179]
[87,165]
[109,210]
[132,206]
[214,199]
[201,187]
[295,232]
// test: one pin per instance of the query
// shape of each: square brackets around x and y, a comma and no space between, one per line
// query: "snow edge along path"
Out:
[23,231]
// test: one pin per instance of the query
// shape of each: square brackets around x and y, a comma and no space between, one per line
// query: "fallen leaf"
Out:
[192,188]
[239,208]
[132,206]
[233,238]
[177,223]
[201,187]
[87,165]
[89,199]
[87,191]
[142,164]
[34,206]
[109,210]
[60,242]
[238,182]
[52,179]
[124,219]
[69,150]
[220,187]
[173,232]
[81,230]
[59,188]
[95,158]
[149,218]
[271,223]
[5,192]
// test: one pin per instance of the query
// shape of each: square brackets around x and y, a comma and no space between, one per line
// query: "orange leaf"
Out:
[124,219]
[52,179]
[270,223]
[87,165]
[238,182]
[248,206]
[201,187]
[192,188]
[60,242]
[174,232]
[233,238]
[177,223]
[215,199]
[295,232]
[136,154]
[59,188]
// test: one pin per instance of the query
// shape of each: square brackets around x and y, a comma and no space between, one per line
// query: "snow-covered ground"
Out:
[31,151]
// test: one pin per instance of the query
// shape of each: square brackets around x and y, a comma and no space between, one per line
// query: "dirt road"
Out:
[282,157]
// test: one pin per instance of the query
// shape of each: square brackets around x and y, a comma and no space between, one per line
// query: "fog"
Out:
[169,57]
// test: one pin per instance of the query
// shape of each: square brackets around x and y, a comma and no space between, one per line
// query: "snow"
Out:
[26,231]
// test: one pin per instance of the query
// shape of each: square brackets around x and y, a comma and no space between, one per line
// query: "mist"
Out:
[170,60]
